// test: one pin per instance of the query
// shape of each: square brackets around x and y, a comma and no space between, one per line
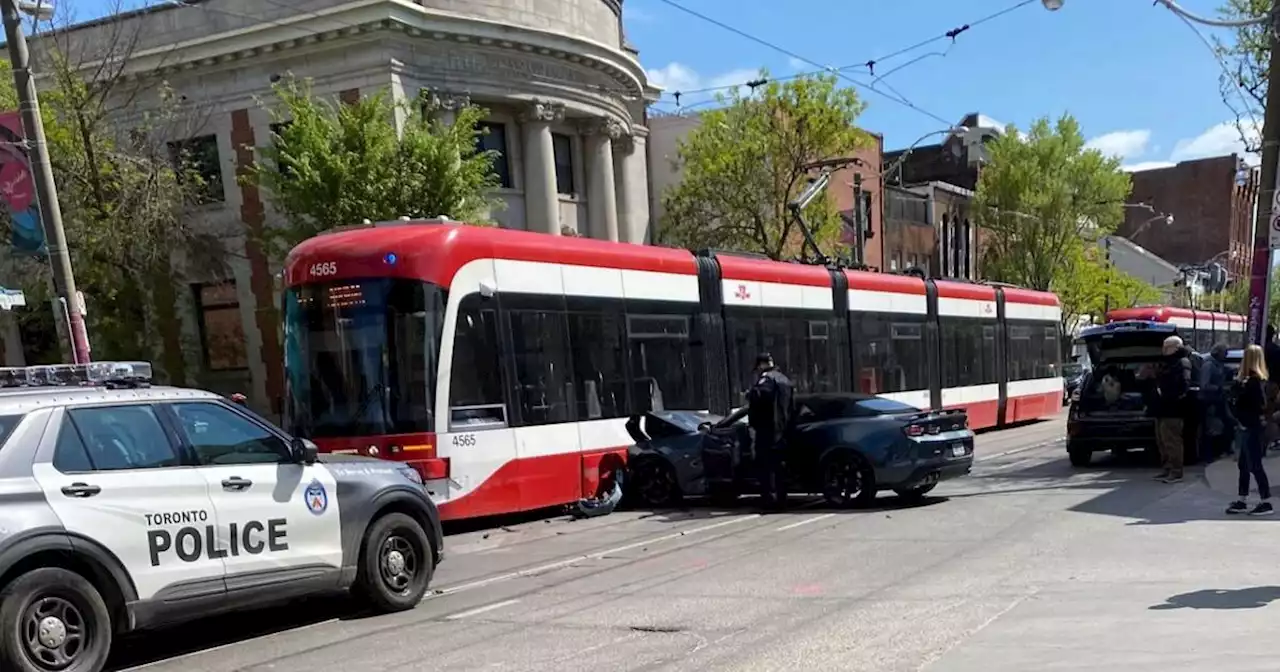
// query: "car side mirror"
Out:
[304,451]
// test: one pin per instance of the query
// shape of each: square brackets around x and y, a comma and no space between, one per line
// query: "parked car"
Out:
[848,447]
[1110,412]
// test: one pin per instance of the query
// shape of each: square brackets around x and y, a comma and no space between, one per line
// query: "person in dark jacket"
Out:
[1271,351]
[1250,406]
[1216,424]
[1170,406]
[769,411]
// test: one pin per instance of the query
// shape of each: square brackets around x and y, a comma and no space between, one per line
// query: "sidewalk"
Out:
[1171,583]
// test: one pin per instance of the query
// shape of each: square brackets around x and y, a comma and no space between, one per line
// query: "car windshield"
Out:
[360,357]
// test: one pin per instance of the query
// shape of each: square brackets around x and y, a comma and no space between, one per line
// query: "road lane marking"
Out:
[806,521]
[441,592]
[480,610]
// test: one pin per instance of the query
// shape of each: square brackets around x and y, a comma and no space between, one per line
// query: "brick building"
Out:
[1212,202]
[929,226]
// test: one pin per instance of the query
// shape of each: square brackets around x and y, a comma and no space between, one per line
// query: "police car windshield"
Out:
[360,356]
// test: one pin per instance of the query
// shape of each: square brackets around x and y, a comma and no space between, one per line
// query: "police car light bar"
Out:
[106,374]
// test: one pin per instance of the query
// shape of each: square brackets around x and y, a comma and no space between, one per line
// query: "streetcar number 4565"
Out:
[325,268]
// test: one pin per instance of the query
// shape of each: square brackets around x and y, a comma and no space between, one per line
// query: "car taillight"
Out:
[913,430]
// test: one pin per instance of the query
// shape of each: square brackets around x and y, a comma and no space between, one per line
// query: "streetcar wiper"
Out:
[366,399]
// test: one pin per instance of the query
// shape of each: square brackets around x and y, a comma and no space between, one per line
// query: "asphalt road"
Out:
[1026,565]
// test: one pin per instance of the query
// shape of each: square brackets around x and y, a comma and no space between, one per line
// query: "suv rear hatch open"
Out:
[1118,352]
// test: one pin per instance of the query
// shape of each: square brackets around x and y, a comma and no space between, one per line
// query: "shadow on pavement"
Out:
[1243,598]
[227,630]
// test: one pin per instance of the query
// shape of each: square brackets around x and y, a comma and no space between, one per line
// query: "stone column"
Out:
[602,201]
[631,174]
[541,203]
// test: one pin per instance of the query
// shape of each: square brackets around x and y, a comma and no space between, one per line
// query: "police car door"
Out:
[113,475]
[279,518]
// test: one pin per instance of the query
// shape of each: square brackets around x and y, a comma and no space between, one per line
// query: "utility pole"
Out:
[1106,296]
[42,174]
[1268,208]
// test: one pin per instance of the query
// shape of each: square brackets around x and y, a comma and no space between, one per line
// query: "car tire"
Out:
[51,606]
[396,564]
[652,482]
[914,495]
[1080,457]
[837,469]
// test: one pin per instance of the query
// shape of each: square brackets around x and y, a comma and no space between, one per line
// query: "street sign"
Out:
[1275,221]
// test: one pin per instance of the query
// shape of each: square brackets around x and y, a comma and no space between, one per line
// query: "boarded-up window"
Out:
[222,342]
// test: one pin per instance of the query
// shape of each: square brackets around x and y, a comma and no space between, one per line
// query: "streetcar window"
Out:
[540,344]
[599,364]
[475,384]
[1034,350]
[888,352]
[802,347]
[360,356]
[666,362]
[968,351]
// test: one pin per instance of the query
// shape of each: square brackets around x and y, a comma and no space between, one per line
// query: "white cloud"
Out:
[1218,140]
[797,64]
[1122,144]
[679,77]
[1146,165]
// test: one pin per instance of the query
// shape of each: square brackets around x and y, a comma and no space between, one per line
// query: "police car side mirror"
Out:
[304,451]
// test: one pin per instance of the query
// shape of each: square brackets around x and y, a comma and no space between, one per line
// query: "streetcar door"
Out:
[477,437]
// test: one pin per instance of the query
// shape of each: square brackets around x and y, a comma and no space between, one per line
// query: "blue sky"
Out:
[1137,78]
[1140,82]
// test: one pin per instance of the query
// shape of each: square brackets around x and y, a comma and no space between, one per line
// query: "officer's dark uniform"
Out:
[769,411]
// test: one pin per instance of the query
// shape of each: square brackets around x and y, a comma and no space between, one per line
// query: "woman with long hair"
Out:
[1250,404]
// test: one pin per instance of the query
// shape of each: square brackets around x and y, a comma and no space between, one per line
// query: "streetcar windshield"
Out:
[360,357]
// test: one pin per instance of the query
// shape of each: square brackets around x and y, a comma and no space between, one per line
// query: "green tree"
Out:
[331,165]
[1043,198]
[123,204]
[1245,56]
[747,160]
[1087,285]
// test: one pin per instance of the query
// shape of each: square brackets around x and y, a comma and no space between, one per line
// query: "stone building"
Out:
[565,92]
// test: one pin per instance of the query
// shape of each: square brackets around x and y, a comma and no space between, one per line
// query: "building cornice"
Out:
[366,17]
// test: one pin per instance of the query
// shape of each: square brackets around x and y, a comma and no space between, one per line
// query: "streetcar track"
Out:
[739,529]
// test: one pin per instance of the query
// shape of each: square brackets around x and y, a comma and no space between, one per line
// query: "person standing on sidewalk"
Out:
[1172,388]
[1215,424]
[1250,405]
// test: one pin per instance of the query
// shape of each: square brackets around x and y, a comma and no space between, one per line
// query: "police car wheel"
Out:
[396,563]
[53,620]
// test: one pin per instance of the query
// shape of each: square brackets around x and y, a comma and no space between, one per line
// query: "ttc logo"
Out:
[316,497]
[742,294]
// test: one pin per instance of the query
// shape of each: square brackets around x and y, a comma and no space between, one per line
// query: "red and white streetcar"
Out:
[503,364]
[1200,329]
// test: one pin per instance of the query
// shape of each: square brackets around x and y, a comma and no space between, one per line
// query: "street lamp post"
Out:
[42,171]
[1166,218]
[1268,216]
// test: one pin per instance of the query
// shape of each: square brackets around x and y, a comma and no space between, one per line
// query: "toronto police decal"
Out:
[317,498]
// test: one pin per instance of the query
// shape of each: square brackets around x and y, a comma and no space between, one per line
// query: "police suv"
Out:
[125,506]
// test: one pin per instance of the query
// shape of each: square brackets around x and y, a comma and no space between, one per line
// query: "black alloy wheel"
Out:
[653,483]
[847,480]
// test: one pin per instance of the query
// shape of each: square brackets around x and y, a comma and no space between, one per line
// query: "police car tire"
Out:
[369,584]
[53,582]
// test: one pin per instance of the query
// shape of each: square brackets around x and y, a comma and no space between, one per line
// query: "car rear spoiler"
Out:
[925,415]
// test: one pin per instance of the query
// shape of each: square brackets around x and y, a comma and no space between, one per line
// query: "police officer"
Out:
[769,412]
